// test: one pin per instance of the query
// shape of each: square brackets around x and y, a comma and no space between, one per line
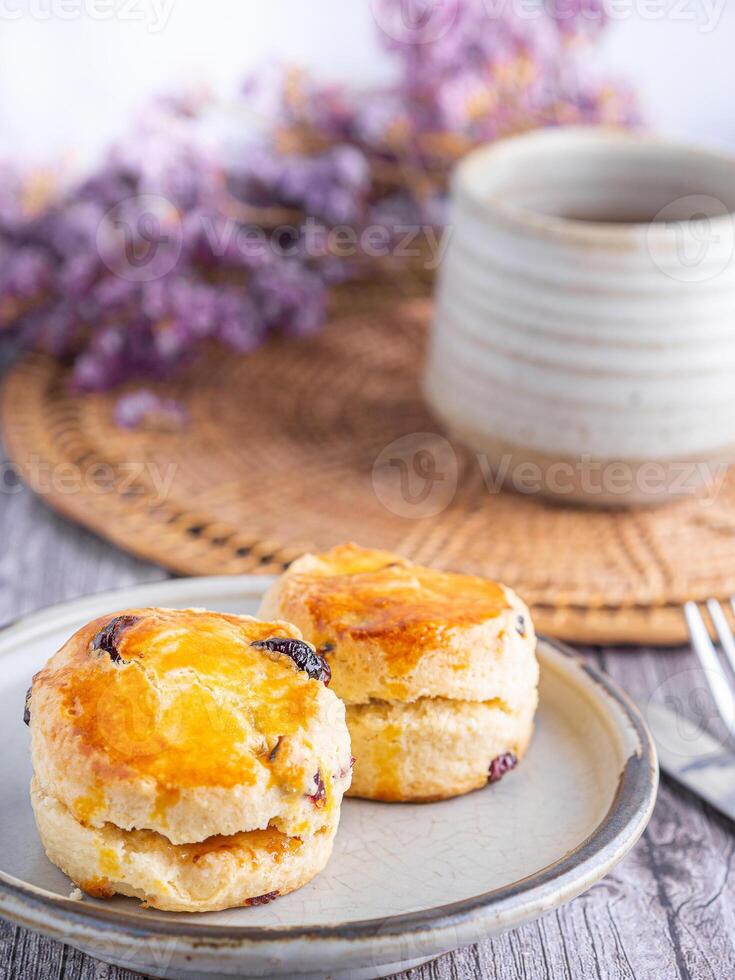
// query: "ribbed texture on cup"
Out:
[585,338]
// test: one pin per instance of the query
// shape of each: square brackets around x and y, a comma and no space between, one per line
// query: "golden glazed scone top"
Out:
[175,721]
[184,700]
[406,608]
[393,630]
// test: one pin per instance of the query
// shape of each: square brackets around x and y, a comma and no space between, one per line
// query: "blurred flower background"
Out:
[212,218]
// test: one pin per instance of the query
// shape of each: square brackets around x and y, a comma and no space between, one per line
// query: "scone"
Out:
[438,670]
[191,759]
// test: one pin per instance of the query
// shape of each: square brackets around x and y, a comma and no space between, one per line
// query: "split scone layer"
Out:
[438,670]
[192,759]
[249,868]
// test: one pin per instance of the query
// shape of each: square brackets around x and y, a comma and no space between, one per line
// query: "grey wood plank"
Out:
[45,559]
[689,847]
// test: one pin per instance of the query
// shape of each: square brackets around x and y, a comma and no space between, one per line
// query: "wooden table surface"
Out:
[667,911]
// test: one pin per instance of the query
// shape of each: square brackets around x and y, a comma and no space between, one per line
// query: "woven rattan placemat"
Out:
[307,443]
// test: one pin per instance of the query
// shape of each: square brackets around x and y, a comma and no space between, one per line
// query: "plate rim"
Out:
[613,837]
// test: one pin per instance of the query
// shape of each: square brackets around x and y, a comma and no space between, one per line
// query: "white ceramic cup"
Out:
[584,334]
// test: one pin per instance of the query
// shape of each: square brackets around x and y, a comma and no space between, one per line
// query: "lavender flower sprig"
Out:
[130,273]
[136,268]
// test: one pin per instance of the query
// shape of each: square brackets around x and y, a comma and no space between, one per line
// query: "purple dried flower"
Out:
[240,323]
[26,272]
[136,407]
[290,298]
[331,185]
[186,268]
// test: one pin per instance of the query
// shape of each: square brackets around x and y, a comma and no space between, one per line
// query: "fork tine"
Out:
[714,672]
[727,640]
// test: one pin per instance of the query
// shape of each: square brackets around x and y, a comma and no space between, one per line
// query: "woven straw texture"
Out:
[294,448]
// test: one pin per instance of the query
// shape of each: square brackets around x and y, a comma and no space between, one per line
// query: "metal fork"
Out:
[721,682]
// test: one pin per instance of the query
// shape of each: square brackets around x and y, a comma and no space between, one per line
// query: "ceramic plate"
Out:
[405,884]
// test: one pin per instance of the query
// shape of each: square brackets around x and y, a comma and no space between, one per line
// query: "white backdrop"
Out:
[73,71]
